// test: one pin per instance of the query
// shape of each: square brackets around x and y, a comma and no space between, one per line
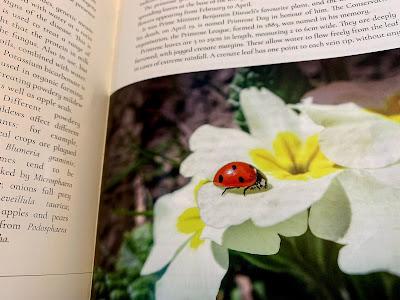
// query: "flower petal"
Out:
[263,240]
[388,176]
[307,126]
[208,137]
[354,137]
[167,239]
[253,239]
[214,234]
[332,115]
[295,226]
[267,115]
[362,145]
[372,241]
[194,274]
[378,253]
[214,147]
[265,208]
[331,216]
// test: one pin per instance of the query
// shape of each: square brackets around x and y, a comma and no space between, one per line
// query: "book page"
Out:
[158,38]
[55,65]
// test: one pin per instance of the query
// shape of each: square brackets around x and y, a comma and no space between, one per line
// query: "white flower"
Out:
[282,144]
[361,209]
[355,137]
[195,267]
[363,214]
[195,264]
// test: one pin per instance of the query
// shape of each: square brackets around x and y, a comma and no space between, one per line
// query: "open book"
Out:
[61,60]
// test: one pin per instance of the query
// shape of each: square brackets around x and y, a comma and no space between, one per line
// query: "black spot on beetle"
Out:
[220,178]
[234,167]
[241,179]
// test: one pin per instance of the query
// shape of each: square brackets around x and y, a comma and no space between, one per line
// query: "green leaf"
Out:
[135,249]
[125,283]
[118,295]
[235,294]
[142,288]
[259,290]
[314,262]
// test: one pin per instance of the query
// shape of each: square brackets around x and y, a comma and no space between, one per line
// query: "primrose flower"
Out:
[281,144]
[355,137]
[194,267]
[361,209]
[363,214]
[194,264]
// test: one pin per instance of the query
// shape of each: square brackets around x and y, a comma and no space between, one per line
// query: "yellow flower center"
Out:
[198,187]
[293,159]
[189,222]
[395,118]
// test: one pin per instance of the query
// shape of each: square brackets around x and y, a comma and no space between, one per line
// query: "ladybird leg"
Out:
[228,188]
[244,191]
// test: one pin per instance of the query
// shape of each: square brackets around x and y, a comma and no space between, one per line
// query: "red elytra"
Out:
[239,175]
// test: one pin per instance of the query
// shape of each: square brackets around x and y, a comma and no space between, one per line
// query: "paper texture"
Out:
[55,70]
[57,287]
[158,38]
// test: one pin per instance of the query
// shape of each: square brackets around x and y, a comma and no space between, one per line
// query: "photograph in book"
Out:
[199,149]
[236,183]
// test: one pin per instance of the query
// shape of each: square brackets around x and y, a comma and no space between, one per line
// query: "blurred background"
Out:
[149,127]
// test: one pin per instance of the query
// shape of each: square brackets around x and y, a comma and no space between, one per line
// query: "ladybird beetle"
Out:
[240,175]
